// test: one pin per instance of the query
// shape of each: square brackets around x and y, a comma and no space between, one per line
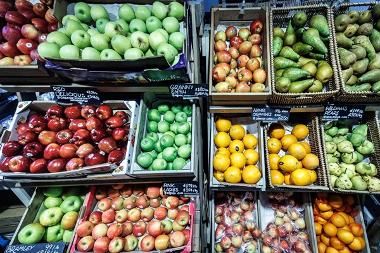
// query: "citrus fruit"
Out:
[236,146]
[321,247]
[238,160]
[313,175]
[336,243]
[274,145]
[331,250]
[219,176]
[273,161]
[287,179]
[338,220]
[223,151]
[345,236]
[288,140]
[310,161]
[251,174]
[250,141]
[306,145]
[300,177]
[232,175]
[276,131]
[223,125]
[288,163]
[252,156]
[237,132]
[330,229]
[277,177]
[222,140]
[318,228]
[221,162]
[300,131]
[297,150]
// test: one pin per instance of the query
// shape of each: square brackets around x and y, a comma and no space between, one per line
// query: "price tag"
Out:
[188,91]
[57,247]
[186,188]
[68,95]
[270,114]
[336,112]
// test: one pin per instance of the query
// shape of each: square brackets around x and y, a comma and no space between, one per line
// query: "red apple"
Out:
[93,123]
[182,218]
[244,33]
[162,242]
[22,5]
[4,164]
[64,136]
[115,156]
[220,46]
[88,111]
[22,128]
[68,151]
[47,137]
[242,61]
[103,112]
[27,137]
[84,229]
[255,39]
[26,45]
[117,203]
[51,151]
[223,56]
[15,17]
[42,37]
[114,230]
[127,228]
[235,42]
[129,202]
[160,213]
[245,47]
[153,192]
[134,215]
[95,217]
[84,150]
[35,56]
[116,245]
[218,74]
[11,33]
[77,124]
[123,115]
[4,7]
[40,24]
[142,202]
[94,159]
[107,145]
[40,9]
[54,111]
[97,134]
[52,27]
[155,228]
[186,233]
[177,239]
[49,17]
[101,245]
[256,26]
[172,202]
[28,14]
[121,216]
[172,213]
[231,31]
[244,75]
[255,51]
[120,134]
[33,150]
[234,52]
[19,164]
[220,35]
[9,49]
[73,112]
[252,64]
[259,76]
[126,191]
[37,124]
[147,214]
[100,193]
[85,244]
[11,148]
[113,193]
[56,165]
[147,243]
[57,124]
[155,202]
[81,136]
[104,204]
[139,228]
[74,164]
[114,122]
[108,216]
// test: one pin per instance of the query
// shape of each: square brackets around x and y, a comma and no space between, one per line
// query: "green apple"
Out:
[83,12]
[120,43]
[133,54]
[90,53]
[176,10]
[140,40]
[98,11]
[81,39]
[150,53]
[142,12]
[170,24]
[71,26]
[159,164]
[53,191]
[67,235]
[52,202]
[59,38]
[69,52]
[179,163]
[152,24]
[169,154]
[109,54]
[184,151]
[99,41]
[92,31]
[112,28]
[144,160]
[126,12]
[69,17]
[168,51]
[51,216]
[101,24]
[169,116]
[54,234]
[183,128]
[71,203]
[31,233]
[166,140]
[165,33]
[137,25]
[85,26]
[48,50]
[160,10]
[72,191]
[124,25]
[180,140]
[177,39]
[69,219]
[155,39]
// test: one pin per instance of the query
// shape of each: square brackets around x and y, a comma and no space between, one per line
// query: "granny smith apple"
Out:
[160,10]
[188,110]
[137,25]
[176,10]
[153,136]
[169,154]
[165,33]
[59,38]
[133,54]
[69,52]
[54,233]
[71,203]
[69,17]
[123,25]
[183,128]
[69,219]
[188,136]
[179,163]
[83,12]
[48,50]
[181,117]
[51,216]
[67,235]
[140,40]
[92,31]
[144,160]
[72,191]
[174,127]
[166,141]
[152,127]
[163,108]
[100,41]
[101,24]
[153,153]
[169,116]
[142,12]
[31,233]
[52,202]
[72,26]
[184,151]
[90,53]
[159,155]
[157,147]
[163,127]
[112,28]
[152,24]
[170,24]
[85,26]
[81,39]
[176,108]
[170,133]
[98,11]
[180,140]
[126,12]
[154,114]
[159,164]
[120,44]
[168,51]
[150,53]
[177,39]
[169,166]
[147,144]
[53,191]
[109,55]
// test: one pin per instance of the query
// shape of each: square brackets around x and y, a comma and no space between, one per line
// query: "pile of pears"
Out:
[301,54]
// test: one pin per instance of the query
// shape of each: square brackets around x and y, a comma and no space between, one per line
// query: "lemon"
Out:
[223,151]
[222,140]
[301,177]
[238,160]
[232,175]
[288,140]
[219,176]
[288,163]
[237,132]
[236,146]
[221,162]
[277,177]
[252,156]
[273,161]
[300,131]
[274,145]
[276,131]
[223,125]
[250,141]
[251,174]
[297,150]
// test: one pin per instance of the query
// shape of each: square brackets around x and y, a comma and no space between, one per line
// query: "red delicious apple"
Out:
[57,124]
[147,214]
[117,203]
[33,150]
[127,228]
[40,24]
[28,14]
[123,115]
[4,7]
[37,124]
[15,17]
[77,124]
[47,137]
[94,159]
[85,244]
[256,26]
[84,228]
[74,164]
[9,49]
[107,145]
[54,111]
[11,148]
[177,239]
[101,245]
[103,112]
[129,202]
[95,217]
[98,134]
[120,134]
[22,5]
[40,9]
[49,17]
[88,111]
[147,243]
[114,230]
[81,136]
[73,112]
[114,122]
[235,42]
[84,150]
[108,216]
[52,27]
[93,123]
[4,164]
[64,136]
[56,165]
[115,156]
[27,137]
[160,213]
[25,46]
[42,37]
[22,128]
[68,151]
[116,245]
[121,216]
[11,34]
[134,215]
[139,228]
[51,151]
[19,164]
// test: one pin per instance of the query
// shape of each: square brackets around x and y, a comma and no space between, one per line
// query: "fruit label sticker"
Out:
[69,95]
[189,91]
[56,247]
[336,112]
[270,114]
[187,188]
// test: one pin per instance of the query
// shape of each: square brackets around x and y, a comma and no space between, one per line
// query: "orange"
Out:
[276,131]
[356,229]
[287,179]
[336,243]
[232,175]
[252,156]
[300,177]
[300,131]
[313,176]
[306,145]
[223,151]
[356,244]
[318,228]
[288,140]
[251,174]
[321,247]
[325,239]
[221,162]
[345,236]
[326,215]
[330,229]
[222,140]
[219,176]
[236,146]
[273,161]
[297,150]
[338,220]
[237,132]
[274,145]
[250,141]
[288,163]
[331,250]
[310,162]
[223,125]
[277,177]
[238,160]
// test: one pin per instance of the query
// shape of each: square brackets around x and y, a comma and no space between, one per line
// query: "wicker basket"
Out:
[311,120]
[351,96]
[280,17]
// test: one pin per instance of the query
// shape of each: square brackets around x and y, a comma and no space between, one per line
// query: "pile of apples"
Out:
[238,59]
[287,232]
[67,138]
[140,31]
[129,218]
[236,229]
[26,26]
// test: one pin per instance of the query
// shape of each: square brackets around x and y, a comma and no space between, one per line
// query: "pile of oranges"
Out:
[290,158]
[236,156]
[335,226]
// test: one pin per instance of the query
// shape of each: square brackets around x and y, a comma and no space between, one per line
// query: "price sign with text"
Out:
[270,114]
[336,112]
[186,188]
[188,91]
[57,247]
[68,95]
